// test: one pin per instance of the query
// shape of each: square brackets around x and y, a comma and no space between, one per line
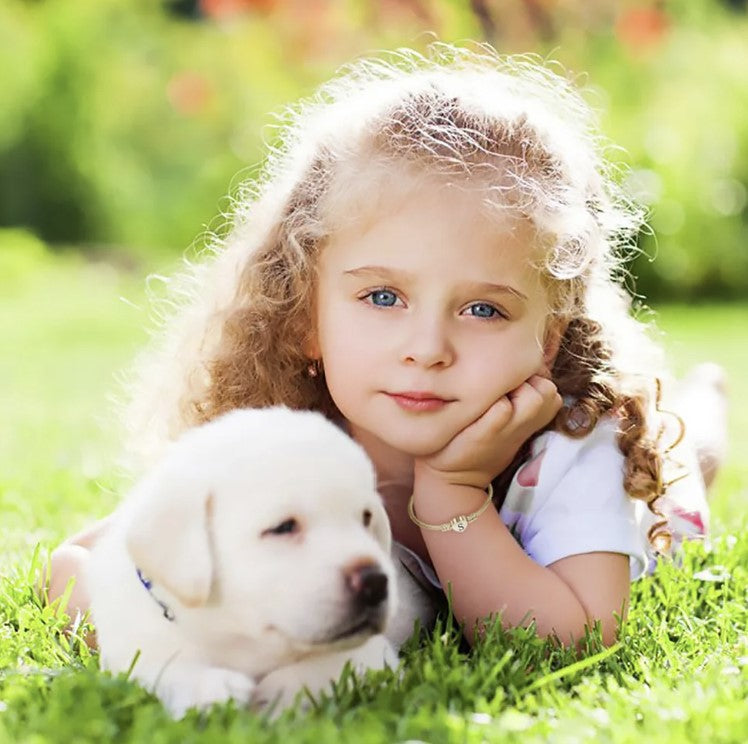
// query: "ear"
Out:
[310,347]
[168,540]
[310,343]
[554,333]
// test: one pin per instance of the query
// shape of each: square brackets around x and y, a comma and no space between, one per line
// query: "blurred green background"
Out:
[124,123]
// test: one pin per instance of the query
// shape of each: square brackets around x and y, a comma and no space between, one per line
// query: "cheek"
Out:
[350,345]
[345,372]
[512,359]
[341,392]
[530,359]
[336,321]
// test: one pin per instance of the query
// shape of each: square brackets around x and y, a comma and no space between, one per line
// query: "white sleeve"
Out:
[580,505]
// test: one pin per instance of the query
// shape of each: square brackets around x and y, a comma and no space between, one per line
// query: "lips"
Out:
[418,400]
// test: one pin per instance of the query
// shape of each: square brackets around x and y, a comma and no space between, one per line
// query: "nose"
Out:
[427,343]
[367,583]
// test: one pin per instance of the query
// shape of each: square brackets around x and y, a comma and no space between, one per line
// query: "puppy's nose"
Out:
[367,582]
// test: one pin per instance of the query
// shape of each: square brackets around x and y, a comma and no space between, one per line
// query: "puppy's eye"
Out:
[287,527]
[366,517]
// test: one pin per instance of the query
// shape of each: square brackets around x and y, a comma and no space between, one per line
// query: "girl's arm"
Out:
[488,572]
[70,560]
[485,568]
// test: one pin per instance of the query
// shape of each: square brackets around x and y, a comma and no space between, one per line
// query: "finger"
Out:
[544,385]
[544,371]
[526,399]
[498,415]
[532,389]
[552,400]
[536,401]
[488,424]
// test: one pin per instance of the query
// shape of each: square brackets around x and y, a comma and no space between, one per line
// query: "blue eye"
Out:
[483,310]
[382,297]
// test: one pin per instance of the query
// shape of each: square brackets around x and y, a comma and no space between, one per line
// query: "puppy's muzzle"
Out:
[367,602]
[367,583]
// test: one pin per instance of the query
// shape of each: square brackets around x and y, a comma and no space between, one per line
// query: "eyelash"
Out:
[497,312]
[370,293]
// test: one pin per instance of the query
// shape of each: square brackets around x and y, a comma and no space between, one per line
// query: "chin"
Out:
[418,446]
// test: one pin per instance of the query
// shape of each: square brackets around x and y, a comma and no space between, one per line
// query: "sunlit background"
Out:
[124,123]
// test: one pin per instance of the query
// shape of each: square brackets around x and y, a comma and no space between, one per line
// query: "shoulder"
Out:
[555,455]
[569,499]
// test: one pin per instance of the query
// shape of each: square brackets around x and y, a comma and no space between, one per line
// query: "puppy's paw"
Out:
[280,688]
[202,687]
[376,653]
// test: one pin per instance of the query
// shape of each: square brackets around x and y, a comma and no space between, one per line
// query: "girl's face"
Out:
[427,316]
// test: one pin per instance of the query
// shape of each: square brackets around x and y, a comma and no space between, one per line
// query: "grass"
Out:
[679,673]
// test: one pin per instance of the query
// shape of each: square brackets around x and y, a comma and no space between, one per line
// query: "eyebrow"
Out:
[387,273]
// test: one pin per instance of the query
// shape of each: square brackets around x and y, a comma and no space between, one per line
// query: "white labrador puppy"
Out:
[252,562]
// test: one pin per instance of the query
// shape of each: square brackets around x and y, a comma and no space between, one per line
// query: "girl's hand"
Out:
[477,454]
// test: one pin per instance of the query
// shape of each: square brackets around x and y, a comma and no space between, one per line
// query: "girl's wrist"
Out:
[427,476]
[436,500]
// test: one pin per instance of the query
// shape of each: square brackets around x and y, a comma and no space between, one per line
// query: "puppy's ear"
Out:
[381,528]
[168,540]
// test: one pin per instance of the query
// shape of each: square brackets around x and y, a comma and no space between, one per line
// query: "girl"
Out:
[432,259]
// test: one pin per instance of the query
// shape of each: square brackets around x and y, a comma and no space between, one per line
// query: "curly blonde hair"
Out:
[511,127]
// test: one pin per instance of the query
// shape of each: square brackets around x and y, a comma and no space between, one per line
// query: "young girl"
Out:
[432,260]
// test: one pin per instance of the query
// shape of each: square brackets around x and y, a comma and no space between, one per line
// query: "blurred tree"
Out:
[184,8]
[124,121]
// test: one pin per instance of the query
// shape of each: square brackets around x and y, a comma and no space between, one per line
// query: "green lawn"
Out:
[678,675]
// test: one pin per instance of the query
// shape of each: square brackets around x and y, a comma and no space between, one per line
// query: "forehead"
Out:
[436,227]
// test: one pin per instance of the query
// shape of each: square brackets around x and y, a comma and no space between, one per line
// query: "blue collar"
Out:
[148,584]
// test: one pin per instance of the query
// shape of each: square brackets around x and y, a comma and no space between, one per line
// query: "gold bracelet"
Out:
[456,524]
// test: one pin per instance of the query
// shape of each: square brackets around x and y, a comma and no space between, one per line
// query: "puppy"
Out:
[252,562]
